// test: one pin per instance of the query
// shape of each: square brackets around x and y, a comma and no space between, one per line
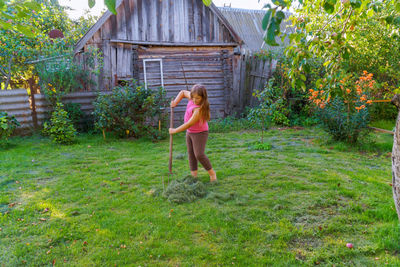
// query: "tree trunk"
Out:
[396,158]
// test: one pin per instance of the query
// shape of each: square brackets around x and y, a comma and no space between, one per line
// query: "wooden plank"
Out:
[113,65]
[198,23]
[152,20]
[128,18]
[206,24]
[177,20]
[159,20]
[121,22]
[136,29]
[164,21]
[114,27]
[190,10]
[106,84]
[381,130]
[171,21]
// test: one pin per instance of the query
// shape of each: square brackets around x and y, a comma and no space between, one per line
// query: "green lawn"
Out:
[95,203]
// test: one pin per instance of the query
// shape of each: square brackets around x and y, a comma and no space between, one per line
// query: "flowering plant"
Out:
[346,116]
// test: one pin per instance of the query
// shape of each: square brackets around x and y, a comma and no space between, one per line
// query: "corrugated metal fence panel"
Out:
[16,103]
[85,99]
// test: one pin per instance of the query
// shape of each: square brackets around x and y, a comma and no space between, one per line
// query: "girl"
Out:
[195,122]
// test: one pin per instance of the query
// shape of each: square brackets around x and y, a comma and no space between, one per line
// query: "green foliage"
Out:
[260,145]
[132,111]
[60,128]
[59,76]
[82,122]
[342,124]
[272,107]
[344,34]
[7,125]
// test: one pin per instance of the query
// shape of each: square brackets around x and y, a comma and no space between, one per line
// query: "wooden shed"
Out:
[160,42]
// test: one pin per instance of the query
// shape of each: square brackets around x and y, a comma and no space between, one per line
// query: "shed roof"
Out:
[248,25]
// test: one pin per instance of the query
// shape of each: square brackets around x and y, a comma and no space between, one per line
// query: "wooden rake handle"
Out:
[171,125]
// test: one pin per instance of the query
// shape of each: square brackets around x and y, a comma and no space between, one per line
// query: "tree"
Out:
[327,29]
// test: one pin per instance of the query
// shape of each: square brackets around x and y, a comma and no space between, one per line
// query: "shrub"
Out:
[60,128]
[7,125]
[347,116]
[132,111]
[82,122]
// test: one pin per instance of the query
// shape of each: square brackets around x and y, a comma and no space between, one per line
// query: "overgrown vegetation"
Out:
[8,124]
[132,111]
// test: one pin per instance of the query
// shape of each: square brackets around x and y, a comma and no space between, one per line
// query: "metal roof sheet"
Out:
[248,25]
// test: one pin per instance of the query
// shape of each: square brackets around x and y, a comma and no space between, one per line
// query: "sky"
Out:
[79,6]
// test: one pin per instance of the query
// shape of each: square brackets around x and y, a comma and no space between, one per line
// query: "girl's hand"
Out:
[172,131]
[173,104]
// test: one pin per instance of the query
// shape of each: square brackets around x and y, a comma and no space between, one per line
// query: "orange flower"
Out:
[369,102]
[311,90]
[322,105]
[329,98]
[348,91]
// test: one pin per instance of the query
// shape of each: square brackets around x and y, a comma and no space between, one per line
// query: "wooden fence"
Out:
[251,75]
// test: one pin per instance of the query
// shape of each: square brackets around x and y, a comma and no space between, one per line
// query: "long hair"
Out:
[201,90]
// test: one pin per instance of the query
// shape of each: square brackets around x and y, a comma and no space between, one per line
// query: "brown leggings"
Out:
[196,145]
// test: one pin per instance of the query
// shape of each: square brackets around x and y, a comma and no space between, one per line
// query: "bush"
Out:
[82,122]
[132,111]
[60,128]
[347,116]
[7,125]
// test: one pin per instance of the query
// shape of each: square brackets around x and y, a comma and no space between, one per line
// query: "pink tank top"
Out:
[198,126]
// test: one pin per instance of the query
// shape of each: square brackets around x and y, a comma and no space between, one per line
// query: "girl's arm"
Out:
[195,118]
[182,94]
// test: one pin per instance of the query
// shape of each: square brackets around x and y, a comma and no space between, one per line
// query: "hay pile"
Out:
[185,190]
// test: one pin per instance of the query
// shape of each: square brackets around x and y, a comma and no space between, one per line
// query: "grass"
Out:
[384,124]
[95,203]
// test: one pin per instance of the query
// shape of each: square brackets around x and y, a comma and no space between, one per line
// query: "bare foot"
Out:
[213,176]
[194,174]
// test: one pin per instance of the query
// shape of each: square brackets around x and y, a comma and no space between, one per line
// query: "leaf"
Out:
[33,6]
[26,30]
[281,3]
[266,19]
[279,16]
[4,25]
[2,4]
[370,13]
[110,4]
[329,8]
[326,63]
[207,2]
[355,3]
[271,33]
[91,3]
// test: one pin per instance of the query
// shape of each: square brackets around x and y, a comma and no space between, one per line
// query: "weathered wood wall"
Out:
[208,66]
[157,25]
